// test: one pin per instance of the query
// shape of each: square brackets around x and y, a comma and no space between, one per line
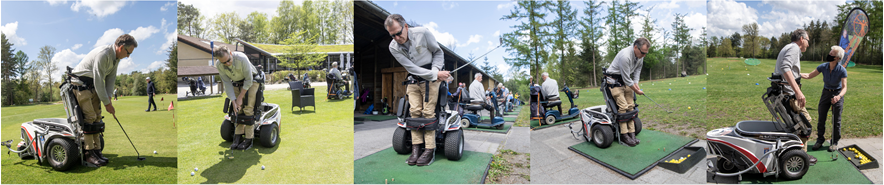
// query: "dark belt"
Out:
[238,83]
[832,90]
[418,80]
[88,83]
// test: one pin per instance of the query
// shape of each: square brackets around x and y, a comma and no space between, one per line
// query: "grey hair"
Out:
[798,34]
[334,64]
[394,17]
[477,75]
[546,74]
[221,51]
[839,52]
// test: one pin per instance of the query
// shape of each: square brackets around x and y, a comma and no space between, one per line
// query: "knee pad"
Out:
[94,128]
[245,120]
[628,116]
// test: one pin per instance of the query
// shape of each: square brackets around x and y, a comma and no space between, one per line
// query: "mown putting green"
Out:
[825,171]
[386,166]
[634,161]
[149,131]
[314,147]
[505,129]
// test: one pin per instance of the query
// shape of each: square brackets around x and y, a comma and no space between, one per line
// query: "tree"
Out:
[283,25]
[736,43]
[725,49]
[172,74]
[618,21]
[300,51]
[654,57]
[592,34]
[681,36]
[532,27]
[491,70]
[8,64]
[564,27]
[751,47]
[189,21]
[224,26]
[45,58]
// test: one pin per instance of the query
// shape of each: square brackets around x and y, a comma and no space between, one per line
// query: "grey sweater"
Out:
[627,66]
[101,65]
[789,59]
[420,49]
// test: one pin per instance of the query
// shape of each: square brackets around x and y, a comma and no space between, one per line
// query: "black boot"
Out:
[93,159]
[236,140]
[818,144]
[427,157]
[625,139]
[812,160]
[101,156]
[246,144]
[634,139]
[415,153]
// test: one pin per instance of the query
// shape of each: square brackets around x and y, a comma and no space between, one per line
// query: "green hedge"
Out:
[315,75]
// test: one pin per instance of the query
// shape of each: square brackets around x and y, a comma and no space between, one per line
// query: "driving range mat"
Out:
[387,166]
[375,118]
[535,124]
[825,171]
[633,162]
[504,130]
[507,119]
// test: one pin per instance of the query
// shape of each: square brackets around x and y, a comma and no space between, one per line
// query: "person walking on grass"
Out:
[151,92]
[834,88]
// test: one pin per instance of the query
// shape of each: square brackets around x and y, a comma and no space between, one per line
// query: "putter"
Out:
[127,137]
[658,105]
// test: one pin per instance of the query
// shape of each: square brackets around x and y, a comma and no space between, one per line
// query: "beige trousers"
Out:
[248,109]
[625,103]
[421,109]
[91,107]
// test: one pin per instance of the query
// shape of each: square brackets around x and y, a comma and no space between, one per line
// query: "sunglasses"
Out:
[398,33]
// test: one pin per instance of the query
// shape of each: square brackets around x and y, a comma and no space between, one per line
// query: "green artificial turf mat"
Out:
[505,129]
[507,119]
[825,171]
[387,166]
[634,161]
[535,124]
[376,118]
[515,112]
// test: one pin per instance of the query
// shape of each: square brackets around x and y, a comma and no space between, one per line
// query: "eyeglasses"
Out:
[643,53]
[398,33]
[228,62]
[128,53]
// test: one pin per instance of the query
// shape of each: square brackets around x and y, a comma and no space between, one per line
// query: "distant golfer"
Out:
[95,78]
[151,91]
[550,89]
[626,70]
[418,52]
[789,66]
[835,79]
[238,77]
[115,94]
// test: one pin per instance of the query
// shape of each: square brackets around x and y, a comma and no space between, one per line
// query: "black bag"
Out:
[421,123]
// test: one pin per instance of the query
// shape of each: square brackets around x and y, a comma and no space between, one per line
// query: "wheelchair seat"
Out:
[553,103]
[474,107]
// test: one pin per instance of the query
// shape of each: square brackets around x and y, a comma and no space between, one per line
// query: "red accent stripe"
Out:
[33,142]
[748,154]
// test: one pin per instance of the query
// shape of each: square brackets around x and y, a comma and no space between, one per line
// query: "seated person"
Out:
[550,89]
[477,94]
[339,80]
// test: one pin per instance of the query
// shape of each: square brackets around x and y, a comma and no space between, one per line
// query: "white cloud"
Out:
[154,66]
[142,33]
[64,59]
[506,5]
[99,8]
[794,15]
[496,34]
[109,37]
[473,39]
[171,38]
[443,38]
[448,5]
[728,16]
[669,5]
[56,2]
[395,3]
[9,29]
[166,6]
[76,46]
[126,65]
[242,8]
[695,21]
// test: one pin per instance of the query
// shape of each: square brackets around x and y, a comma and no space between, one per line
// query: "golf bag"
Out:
[536,111]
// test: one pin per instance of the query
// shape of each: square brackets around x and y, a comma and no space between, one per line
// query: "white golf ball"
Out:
[262,167]
[192,173]
[154,152]
[196,169]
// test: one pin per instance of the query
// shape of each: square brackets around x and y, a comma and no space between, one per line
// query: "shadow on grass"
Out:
[116,163]
[305,111]
[232,170]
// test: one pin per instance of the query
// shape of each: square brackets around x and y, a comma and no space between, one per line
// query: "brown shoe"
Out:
[634,139]
[626,140]
[812,160]
[415,153]
[90,158]
[427,157]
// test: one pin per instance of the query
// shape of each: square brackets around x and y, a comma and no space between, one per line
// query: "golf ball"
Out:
[192,173]
[154,152]
[689,107]
[262,167]
[747,74]
[196,169]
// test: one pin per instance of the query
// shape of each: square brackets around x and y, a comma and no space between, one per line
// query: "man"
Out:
[550,89]
[151,91]
[418,52]
[238,77]
[478,95]
[789,66]
[338,78]
[95,78]
[625,71]
[115,94]
[835,86]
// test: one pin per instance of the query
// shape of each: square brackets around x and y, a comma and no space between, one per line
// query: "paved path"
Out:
[553,163]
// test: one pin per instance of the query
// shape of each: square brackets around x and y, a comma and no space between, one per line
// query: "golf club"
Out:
[127,137]
[477,58]
[655,102]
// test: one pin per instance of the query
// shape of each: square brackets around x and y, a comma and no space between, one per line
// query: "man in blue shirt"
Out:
[835,79]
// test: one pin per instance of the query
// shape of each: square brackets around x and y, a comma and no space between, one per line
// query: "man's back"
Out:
[477,93]
[550,88]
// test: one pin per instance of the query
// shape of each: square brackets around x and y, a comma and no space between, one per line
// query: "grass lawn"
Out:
[149,131]
[734,97]
[314,147]
[523,120]
[686,100]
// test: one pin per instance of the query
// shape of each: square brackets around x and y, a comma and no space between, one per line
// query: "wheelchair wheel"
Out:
[550,119]
[638,126]
[269,135]
[602,136]
[465,123]
[793,164]
[227,130]
[62,154]
[402,141]
[454,145]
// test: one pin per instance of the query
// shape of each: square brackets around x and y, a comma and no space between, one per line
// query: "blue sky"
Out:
[474,26]
[773,17]
[74,28]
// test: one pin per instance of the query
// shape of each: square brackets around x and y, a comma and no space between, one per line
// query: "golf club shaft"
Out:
[127,135]
[655,102]
[475,59]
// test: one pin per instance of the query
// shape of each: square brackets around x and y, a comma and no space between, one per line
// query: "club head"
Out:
[140,158]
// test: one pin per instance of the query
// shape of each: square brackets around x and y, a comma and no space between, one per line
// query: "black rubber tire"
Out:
[465,123]
[550,119]
[799,158]
[725,166]
[62,154]
[605,133]
[454,145]
[402,141]
[269,135]
[227,130]
[638,126]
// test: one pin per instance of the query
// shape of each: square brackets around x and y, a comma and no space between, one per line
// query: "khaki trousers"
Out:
[421,109]
[803,111]
[91,107]
[248,109]
[625,103]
